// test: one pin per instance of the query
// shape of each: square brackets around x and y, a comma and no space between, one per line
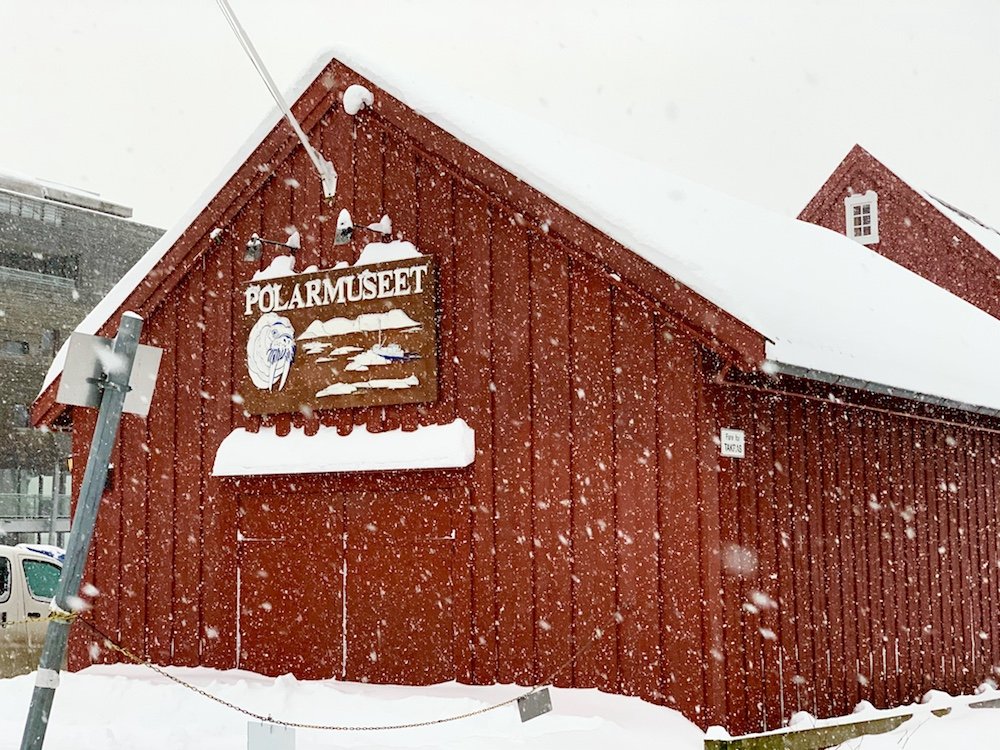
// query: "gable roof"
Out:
[822,301]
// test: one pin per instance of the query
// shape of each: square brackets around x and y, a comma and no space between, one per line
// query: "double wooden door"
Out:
[353,585]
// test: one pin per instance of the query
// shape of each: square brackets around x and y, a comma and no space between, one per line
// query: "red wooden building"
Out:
[851,552]
[933,238]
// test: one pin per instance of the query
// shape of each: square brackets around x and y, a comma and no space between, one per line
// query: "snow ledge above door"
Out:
[439,446]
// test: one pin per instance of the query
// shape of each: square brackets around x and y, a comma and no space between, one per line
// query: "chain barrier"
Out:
[117,647]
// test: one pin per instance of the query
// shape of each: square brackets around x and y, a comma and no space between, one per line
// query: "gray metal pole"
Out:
[82,529]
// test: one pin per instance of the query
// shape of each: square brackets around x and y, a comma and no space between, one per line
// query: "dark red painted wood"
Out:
[188,472]
[678,525]
[594,595]
[512,454]
[160,519]
[473,274]
[635,479]
[552,461]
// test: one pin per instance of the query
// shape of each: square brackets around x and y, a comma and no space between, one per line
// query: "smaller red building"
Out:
[867,201]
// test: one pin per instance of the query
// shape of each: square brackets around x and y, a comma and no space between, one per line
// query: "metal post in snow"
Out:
[115,386]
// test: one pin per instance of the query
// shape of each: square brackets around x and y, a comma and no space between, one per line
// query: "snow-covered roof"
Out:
[439,446]
[823,301]
[982,233]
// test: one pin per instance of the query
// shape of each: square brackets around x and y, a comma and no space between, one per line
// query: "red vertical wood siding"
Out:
[877,510]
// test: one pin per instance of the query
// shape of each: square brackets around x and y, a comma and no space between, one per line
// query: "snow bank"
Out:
[125,707]
[441,446]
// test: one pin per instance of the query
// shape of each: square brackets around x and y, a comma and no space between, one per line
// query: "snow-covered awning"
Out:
[439,446]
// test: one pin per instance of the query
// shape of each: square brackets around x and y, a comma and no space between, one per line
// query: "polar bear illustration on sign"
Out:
[270,351]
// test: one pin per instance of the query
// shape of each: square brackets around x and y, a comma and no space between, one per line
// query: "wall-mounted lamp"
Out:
[346,227]
[255,245]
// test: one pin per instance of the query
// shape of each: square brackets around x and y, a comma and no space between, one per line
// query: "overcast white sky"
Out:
[146,102]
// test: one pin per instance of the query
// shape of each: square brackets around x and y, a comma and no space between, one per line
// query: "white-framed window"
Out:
[861,215]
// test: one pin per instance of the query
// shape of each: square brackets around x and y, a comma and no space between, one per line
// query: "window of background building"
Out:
[63,266]
[861,217]
[29,208]
[19,415]
[50,341]
[15,348]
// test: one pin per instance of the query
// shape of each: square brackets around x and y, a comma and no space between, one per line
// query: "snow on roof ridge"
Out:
[963,214]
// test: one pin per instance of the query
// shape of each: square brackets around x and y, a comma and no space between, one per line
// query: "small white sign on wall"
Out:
[732,443]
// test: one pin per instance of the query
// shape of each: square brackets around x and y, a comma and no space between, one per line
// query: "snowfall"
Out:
[130,706]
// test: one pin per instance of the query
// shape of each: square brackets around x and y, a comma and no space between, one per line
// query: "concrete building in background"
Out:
[61,250]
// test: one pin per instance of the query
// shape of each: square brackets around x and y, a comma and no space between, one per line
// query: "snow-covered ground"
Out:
[124,706]
[111,707]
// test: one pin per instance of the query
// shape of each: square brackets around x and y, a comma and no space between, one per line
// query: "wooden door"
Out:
[290,556]
[400,621]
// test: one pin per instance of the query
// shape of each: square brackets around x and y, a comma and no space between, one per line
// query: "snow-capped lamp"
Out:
[346,227]
[255,245]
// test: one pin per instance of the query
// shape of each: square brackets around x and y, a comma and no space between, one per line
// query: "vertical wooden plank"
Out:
[911,599]
[708,493]
[890,580]
[951,554]
[814,500]
[934,555]
[107,556]
[681,586]
[130,474]
[993,535]
[832,526]
[512,454]
[924,580]
[635,479]
[874,552]
[804,659]
[187,472]
[732,490]
[338,139]
[160,519]
[436,217]
[845,568]
[980,543]
[82,640]
[369,165]
[218,533]
[400,195]
[593,491]
[764,596]
[474,344]
[551,470]
[785,526]
[248,221]
[858,499]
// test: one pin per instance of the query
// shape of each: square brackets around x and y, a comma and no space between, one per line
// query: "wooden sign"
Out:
[354,336]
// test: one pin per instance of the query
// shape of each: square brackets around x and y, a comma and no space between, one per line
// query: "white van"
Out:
[28,579]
